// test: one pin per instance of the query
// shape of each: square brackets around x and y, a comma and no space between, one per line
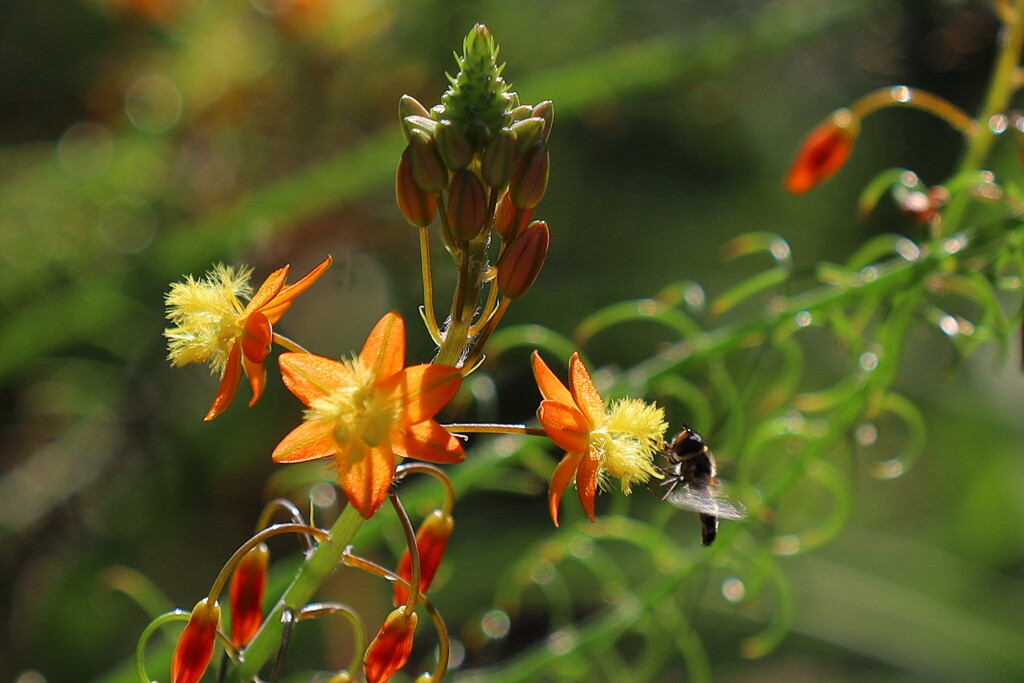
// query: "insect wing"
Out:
[707,502]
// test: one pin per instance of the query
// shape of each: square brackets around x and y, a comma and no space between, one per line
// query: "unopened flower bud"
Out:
[390,648]
[194,650]
[529,180]
[425,677]
[421,123]
[522,262]
[257,337]
[505,215]
[467,206]
[428,170]
[417,206]
[499,159]
[523,111]
[453,146]
[247,586]
[528,132]
[822,152]
[431,540]
[546,111]
[410,106]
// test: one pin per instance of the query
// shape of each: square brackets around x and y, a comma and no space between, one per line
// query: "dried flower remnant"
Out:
[212,326]
[366,411]
[601,443]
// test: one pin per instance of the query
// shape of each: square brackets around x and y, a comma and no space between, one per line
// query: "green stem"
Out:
[313,572]
[491,428]
[1000,88]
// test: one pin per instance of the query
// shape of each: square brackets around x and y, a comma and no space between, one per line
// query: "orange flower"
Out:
[822,152]
[212,326]
[367,410]
[620,441]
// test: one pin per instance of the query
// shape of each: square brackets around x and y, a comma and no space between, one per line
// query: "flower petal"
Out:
[384,351]
[267,291]
[423,390]
[308,441]
[368,477]
[563,474]
[228,383]
[257,375]
[309,376]
[586,482]
[565,425]
[550,386]
[275,309]
[584,393]
[427,441]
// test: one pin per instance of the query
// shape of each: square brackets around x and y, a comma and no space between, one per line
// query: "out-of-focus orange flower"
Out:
[194,650]
[390,648]
[431,541]
[248,583]
[620,441]
[367,410]
[822,152]
[211,325]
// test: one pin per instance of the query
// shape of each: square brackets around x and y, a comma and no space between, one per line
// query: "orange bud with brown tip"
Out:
[822,152]
[428,170]
[390,648]
[418,207]
[499,159]
[194,650]
[467,206]
[452,145]
[529,181]
[431,540]
[522,263]
[248,584]
[505,215]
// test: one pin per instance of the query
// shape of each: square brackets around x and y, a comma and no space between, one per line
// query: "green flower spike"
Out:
[478,101]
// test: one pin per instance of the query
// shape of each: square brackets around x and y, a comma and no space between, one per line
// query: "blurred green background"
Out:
[141,140]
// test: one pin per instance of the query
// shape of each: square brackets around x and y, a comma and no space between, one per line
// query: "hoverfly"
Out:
[692,484]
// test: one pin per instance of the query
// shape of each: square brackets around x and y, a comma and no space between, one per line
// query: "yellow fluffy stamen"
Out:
[360,410]
[204,313]
[632,436]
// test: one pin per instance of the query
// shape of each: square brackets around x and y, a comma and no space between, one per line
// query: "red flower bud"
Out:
[452,145]
[505,213]
[417,206]
[822,152]
[390,648]
[529,180]
[431,540]
[522,263]
[467,206]
[194,650]
[428,171]
[247,586]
